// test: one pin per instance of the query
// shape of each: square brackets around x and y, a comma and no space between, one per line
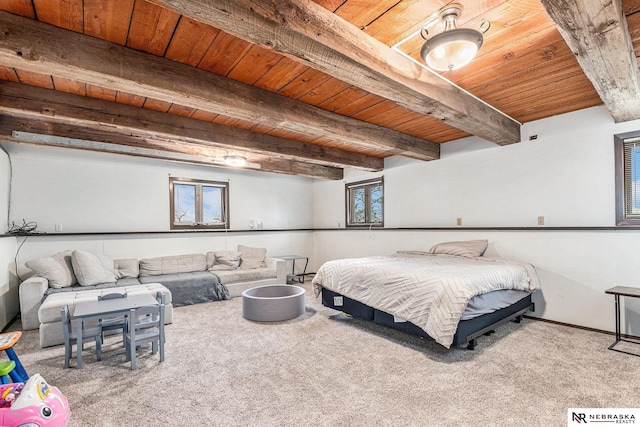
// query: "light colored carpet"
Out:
[325,369]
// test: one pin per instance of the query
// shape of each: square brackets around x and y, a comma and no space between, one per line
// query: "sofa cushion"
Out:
[76,288]
[190,288]
[57,269]
[173,264]
[49,311]
[128,281]
[252,257]
[91,269]
[240,275]
[126,268]
[223,260]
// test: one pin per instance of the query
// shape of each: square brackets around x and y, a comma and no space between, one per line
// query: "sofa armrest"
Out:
[31,292]
[280,266]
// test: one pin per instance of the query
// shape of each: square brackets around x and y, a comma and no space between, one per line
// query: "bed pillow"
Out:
[252,257]
[91,269]
[224,260]
[126,268]
[57,269]
[468,248]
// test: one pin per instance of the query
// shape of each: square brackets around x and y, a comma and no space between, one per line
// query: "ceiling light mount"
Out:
[454,47]
[234,159]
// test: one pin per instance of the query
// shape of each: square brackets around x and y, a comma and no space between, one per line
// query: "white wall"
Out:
[91,192]
[153,244]
[94,192]
[9,302]
[5,177]
[565,175]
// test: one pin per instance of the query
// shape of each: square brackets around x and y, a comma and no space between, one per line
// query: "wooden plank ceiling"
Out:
[298,87]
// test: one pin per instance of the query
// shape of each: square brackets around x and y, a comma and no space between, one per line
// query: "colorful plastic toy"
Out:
[34,404]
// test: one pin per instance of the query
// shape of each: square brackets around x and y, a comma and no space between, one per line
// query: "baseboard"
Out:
[585,328]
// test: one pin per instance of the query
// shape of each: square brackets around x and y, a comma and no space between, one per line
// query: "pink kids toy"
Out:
[34,404]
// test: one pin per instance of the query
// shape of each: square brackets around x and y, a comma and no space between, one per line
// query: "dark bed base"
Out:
[468,330]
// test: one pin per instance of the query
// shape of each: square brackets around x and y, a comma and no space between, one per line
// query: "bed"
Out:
[451,294]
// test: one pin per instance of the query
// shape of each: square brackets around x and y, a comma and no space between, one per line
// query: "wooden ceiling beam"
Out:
[33,46]
[597,33]
[25,101]
[313,35]
[71,136]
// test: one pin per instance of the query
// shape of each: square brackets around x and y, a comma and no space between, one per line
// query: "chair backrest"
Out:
[112,296]
[151,316]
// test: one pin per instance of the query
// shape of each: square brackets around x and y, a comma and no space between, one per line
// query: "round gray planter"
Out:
[273,303]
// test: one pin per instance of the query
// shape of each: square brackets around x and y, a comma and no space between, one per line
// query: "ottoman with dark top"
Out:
[273,303]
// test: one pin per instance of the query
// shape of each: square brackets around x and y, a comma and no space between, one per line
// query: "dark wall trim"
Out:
[541,228]
[289,230]
[128,233]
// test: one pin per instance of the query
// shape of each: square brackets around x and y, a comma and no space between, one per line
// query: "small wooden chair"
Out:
[146,325]
[71,338]
[114,323]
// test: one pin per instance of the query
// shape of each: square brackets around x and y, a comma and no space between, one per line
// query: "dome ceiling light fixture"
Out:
[234,159]
[454,47]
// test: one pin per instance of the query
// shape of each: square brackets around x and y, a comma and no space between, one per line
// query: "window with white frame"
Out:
[365,203]
[198,204]
[627,158]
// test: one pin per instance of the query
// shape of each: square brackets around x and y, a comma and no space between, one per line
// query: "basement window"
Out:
[365,203]
[197,204]
[627,158]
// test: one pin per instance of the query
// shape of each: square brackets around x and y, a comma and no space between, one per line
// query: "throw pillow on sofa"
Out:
[126,268]
[91,269]
[252,257]
[57,269]
[223,260]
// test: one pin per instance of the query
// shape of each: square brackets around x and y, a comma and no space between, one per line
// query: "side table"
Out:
[617,292]
[293,276]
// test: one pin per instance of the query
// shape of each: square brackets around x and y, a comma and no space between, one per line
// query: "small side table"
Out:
[7,341]
[293,276]
[624,291]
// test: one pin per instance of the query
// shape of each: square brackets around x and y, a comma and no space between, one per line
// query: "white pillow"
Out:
[225,260]
[252,257]
[57,269]
[126,268]
[468,248]
[91,269]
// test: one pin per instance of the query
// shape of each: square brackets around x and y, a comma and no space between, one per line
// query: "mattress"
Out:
[492,301]
[430,291]
[478,305]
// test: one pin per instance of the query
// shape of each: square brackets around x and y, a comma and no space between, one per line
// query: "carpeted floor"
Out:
[326,369]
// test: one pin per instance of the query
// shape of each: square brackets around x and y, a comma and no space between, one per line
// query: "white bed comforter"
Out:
[430,291]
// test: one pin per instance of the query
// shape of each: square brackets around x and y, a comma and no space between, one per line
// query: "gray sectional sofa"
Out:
[69,277]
